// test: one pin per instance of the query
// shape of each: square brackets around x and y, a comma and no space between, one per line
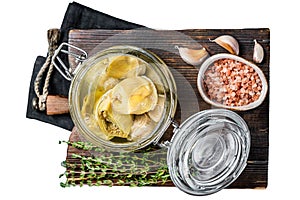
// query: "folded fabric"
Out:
[77,16]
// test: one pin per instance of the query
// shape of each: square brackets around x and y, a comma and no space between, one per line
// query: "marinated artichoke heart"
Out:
[111,123]
[141,127]
[136,95]
[106,83]
[89,102]
[123,102]
[157,112]
[125,67]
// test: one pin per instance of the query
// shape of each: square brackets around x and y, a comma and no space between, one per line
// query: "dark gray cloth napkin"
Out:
[77,16]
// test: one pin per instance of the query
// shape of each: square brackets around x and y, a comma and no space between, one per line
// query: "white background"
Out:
[30,153]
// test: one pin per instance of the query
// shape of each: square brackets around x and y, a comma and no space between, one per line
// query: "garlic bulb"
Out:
[258,52]
[192,56]
[229,43]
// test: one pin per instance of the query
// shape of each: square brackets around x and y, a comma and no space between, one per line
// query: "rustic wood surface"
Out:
[162,44]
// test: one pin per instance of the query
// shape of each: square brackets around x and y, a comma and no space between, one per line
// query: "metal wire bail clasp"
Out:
[66,72]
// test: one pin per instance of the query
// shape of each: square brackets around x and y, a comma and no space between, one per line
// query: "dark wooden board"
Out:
[162,44]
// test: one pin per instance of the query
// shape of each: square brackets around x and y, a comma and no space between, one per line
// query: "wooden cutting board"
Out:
[162,43]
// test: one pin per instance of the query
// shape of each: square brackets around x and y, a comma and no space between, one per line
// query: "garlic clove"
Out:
[258,52]
[229,43]
[192,56]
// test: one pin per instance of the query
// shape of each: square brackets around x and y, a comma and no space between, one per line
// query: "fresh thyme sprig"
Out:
[95,166]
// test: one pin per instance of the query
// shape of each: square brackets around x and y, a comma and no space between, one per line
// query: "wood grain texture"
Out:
[56,105]
[162,44]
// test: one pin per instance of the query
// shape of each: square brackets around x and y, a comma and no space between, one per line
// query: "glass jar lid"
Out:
[208,151]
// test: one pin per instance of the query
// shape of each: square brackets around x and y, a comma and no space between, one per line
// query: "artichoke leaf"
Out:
[136,95]
[111,123]
[125,66]
[141,127]
[157,112]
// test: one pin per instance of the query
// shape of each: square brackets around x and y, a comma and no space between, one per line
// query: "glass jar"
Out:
[84,83]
